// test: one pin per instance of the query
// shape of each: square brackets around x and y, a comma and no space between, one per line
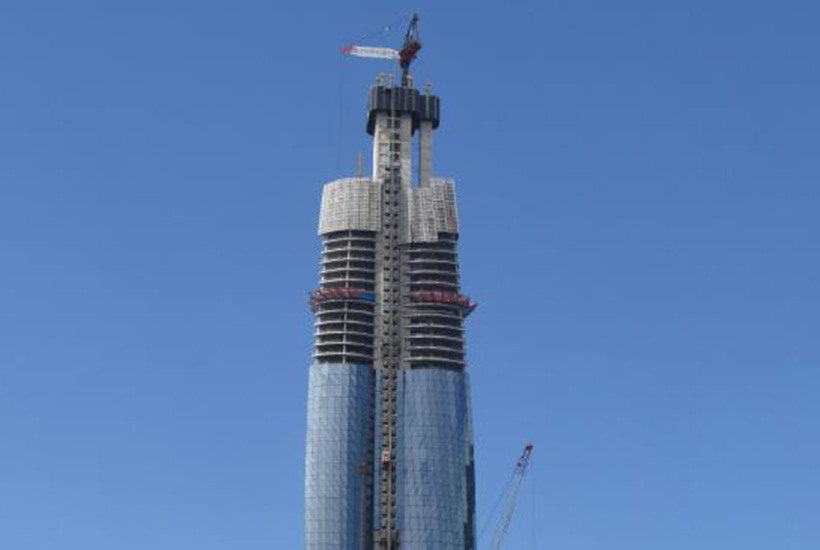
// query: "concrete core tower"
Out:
[389,459]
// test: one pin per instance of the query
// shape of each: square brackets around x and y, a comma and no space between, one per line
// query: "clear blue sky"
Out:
[638,187]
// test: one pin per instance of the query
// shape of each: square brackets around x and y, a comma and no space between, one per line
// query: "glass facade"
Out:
[435,483]
[339,404]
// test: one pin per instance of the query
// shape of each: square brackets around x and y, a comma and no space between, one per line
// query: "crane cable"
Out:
[382,30]
[492,514]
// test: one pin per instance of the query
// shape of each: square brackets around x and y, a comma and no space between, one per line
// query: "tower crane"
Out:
[509,497]
[405,56]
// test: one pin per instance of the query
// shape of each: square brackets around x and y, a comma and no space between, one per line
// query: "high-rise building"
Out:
[389,459]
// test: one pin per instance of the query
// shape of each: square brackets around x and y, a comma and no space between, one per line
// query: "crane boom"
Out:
[371,52]
[511,495]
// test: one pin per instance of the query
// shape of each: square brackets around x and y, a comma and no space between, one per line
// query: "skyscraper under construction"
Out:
[389,459]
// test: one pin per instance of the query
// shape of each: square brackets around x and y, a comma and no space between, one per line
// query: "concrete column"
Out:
[406,137]
[425,152]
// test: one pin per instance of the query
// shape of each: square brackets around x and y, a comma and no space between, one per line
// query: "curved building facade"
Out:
[389,461]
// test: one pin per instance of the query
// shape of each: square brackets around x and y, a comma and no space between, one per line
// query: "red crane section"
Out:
[411,46]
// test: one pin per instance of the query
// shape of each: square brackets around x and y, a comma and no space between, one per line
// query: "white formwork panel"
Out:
[350,204]
[433,210]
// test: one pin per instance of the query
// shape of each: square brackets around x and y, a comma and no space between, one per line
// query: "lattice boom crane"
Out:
[405,56]
[510,497]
